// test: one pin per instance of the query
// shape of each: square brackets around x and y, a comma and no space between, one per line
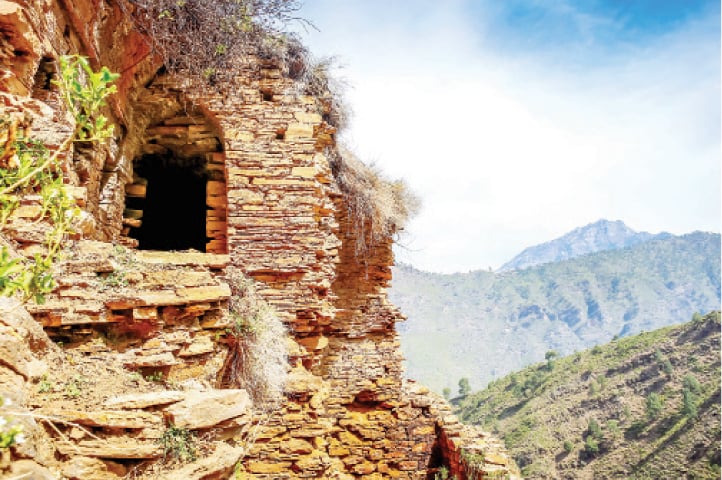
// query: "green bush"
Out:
[568,446]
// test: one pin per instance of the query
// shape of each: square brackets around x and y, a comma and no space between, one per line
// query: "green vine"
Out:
[84,92]
[28,167]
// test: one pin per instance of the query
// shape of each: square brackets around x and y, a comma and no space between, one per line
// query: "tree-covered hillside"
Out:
[646,406]
[483,325]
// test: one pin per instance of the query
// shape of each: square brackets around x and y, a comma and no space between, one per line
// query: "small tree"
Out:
[689,404]
[690,383]
[654,405]
[568,446]
[446,392]
[591,446]
[550,357]
[464,387]
[594,429]
[667,367]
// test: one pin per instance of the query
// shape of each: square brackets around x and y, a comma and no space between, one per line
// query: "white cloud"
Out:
[508,152]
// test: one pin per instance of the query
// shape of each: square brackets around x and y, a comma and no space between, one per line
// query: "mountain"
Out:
[646,406]
[483,325]
[595,237]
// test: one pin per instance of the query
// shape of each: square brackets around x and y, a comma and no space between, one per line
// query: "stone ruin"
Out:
[196,183]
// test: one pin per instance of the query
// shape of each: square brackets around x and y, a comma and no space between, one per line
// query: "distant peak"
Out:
[594,237]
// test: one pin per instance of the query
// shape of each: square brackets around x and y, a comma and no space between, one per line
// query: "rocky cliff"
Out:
[205,198]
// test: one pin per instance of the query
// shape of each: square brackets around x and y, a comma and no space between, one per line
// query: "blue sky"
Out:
[516,121]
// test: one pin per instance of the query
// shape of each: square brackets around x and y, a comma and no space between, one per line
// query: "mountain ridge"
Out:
[482,325]
[595,237]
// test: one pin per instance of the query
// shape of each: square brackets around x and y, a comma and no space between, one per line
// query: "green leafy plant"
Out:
[155,377]
[85,92]
[442,473]
[27,167]
[179,443]
[115,279]
[74,387]
[45,385]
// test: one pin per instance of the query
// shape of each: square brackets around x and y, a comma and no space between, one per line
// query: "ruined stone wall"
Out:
[283,221]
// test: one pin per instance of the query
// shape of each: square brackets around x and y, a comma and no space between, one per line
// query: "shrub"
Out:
[568,446]
[204,40]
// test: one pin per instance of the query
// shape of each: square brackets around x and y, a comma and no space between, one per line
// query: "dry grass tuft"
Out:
[258,360]
[377,207]
[205,38]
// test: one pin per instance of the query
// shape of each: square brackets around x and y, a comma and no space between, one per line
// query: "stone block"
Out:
[144,400]
[115,447]
[103,418]
[204,409]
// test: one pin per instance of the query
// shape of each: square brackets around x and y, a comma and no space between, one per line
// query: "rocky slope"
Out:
[591,415]
[595,237]
[483,325]
[144,364]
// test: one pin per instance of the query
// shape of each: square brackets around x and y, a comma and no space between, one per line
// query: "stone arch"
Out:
[176,199]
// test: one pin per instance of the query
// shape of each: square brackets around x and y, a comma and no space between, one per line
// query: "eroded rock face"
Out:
[277,211]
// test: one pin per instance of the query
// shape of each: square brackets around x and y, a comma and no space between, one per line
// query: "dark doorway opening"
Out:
[174,206]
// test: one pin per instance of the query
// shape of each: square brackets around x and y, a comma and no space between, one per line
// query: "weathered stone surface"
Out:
[144,400]
[204,409]
[183,258]
[120,448]
[199,346]
[106,418]
[14,354]
[218,464]
[30,470]
[89,468]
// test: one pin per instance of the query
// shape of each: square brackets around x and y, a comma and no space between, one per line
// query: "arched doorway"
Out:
[177,198]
